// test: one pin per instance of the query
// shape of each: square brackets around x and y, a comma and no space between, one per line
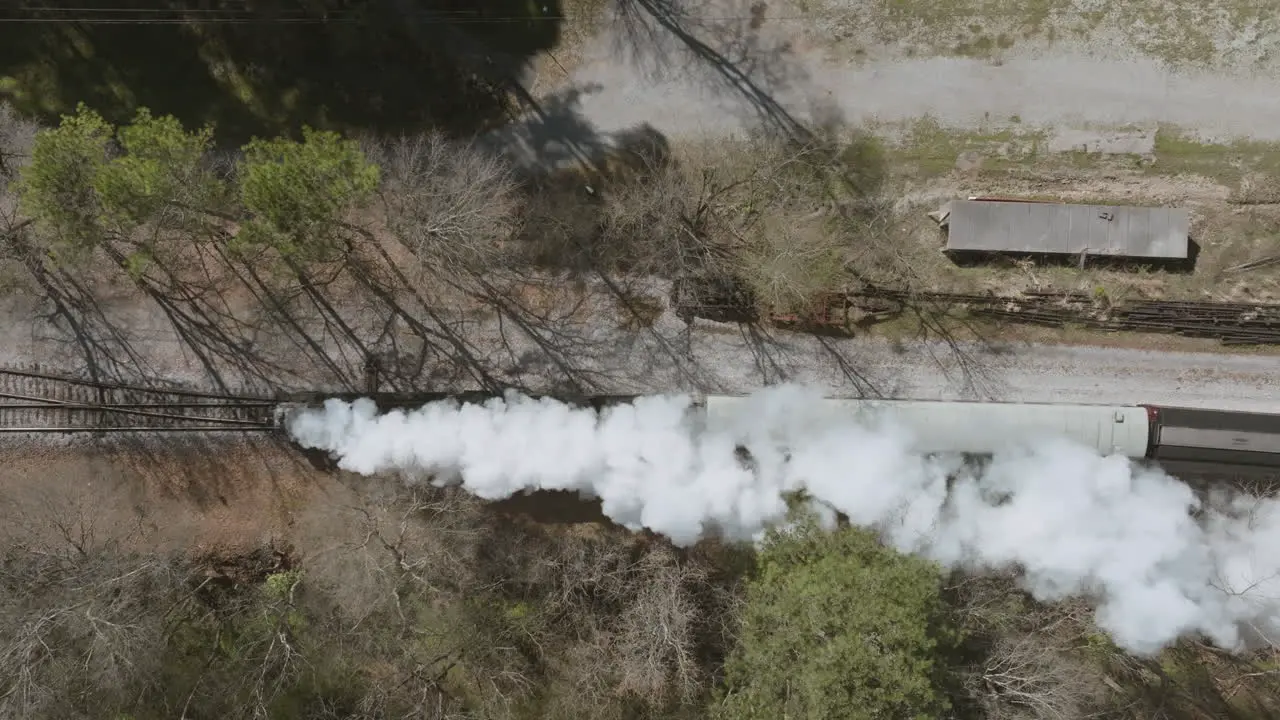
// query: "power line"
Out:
[254,20]
[151,16]
[158,16]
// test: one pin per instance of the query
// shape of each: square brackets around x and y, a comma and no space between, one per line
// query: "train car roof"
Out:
[978,427]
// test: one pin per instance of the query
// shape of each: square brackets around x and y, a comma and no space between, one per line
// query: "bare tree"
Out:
[656,637]
[394,546]
[397,565]
[1033,676]
[79,627]
[1034,665]
[80,634]
[17,136]
[756,210]
[621,620]
[453,204]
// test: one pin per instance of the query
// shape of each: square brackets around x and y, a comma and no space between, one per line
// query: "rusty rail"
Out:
[1229,323]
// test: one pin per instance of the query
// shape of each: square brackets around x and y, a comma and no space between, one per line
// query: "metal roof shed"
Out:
[1059,228]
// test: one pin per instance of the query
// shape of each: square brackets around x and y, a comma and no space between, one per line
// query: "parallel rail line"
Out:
[34,401]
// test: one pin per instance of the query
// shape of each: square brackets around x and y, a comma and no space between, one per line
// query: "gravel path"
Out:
[722,358]
[1028,373]
[854,57]
[1049,90]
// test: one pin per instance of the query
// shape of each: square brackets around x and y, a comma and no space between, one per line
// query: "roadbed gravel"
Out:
[712,357]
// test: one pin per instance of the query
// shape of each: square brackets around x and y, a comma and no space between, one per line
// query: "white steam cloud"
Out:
[1074,523]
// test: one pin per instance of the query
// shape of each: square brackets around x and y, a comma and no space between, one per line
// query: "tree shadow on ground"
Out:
[331,330]
[363,325]
[724,50]
[385,65]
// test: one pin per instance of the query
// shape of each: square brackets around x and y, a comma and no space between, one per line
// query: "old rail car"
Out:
[726,299]
[980,227]
[1213,437]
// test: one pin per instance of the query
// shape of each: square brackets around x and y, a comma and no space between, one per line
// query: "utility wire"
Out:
[161,16]
[153,16]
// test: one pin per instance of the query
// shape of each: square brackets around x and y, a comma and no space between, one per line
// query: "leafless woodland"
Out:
[465,272]
[399,600]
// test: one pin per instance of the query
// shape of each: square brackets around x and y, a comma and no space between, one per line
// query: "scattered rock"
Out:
[1105,142]
[968,161]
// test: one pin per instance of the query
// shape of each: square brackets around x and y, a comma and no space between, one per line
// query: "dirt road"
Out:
[1021,373]
[969,65]
[725,358]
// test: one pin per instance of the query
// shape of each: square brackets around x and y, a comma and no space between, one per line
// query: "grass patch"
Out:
[981,45]
[580,12]
[583,20]
[377,73]
[924,26]
[961,325]
[1182,33]
[910,326]
[924,148]
[1178,152]
[1013,160]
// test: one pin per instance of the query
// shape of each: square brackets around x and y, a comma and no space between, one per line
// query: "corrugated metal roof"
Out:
[1058,228]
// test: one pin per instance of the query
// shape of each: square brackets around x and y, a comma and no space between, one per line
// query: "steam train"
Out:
[1190,439]
[1170,436]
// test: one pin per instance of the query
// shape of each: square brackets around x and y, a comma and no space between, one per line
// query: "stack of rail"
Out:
[1229,323]
[34,401]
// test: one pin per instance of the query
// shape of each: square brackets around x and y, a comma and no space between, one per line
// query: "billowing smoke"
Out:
[1073,523]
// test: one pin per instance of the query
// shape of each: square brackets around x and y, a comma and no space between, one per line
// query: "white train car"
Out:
[979,428]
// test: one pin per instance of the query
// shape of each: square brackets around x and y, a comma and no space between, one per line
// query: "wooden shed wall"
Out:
[1029,227]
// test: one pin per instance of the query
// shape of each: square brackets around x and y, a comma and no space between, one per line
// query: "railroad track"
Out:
[33,401]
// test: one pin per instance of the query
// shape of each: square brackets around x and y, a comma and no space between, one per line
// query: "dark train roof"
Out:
[1218,419]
